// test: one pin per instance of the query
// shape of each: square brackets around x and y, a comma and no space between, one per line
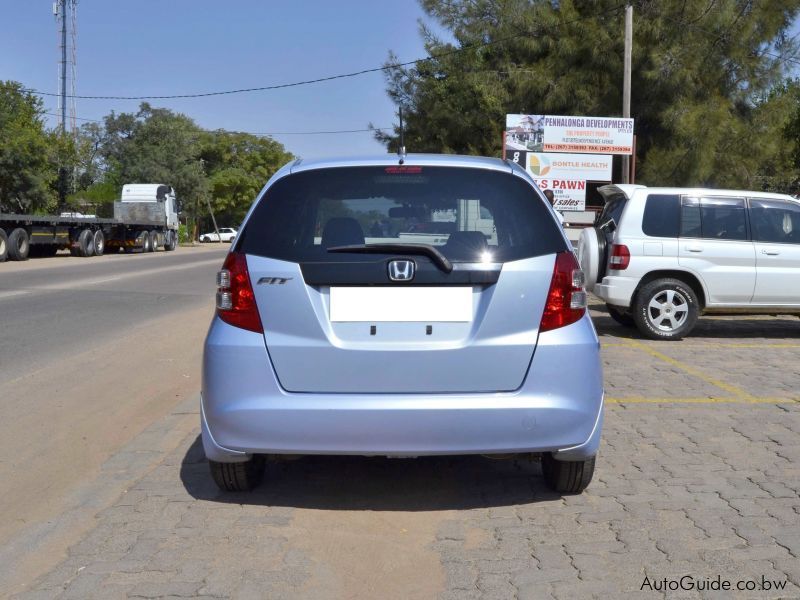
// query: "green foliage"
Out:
[239,165]
[183,234]
[155,145]
[27,152]
[702,80]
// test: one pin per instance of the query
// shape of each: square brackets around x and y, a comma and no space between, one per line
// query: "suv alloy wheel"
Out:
[665,309]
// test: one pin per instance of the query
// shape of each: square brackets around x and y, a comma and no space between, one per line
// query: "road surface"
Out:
[92,351]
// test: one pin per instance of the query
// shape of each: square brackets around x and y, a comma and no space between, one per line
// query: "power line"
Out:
[331,77]
[258,133]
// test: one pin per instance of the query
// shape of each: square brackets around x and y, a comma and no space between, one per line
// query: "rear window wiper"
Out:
[437,258]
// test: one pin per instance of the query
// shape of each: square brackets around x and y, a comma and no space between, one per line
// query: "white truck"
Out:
[145,217]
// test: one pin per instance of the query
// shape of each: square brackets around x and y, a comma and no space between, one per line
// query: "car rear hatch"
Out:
[401,279]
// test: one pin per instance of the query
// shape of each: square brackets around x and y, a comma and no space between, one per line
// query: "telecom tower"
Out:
[65,14]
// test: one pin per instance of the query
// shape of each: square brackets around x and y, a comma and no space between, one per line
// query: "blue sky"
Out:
[163,47]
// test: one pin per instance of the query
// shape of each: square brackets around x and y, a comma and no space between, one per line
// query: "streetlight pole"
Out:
[626,85]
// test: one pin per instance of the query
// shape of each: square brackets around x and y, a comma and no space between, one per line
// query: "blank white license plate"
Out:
[403,304]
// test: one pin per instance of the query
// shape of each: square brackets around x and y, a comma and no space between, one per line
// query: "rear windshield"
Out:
[470,215]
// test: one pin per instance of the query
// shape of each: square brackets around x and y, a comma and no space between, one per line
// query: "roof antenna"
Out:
[401,152]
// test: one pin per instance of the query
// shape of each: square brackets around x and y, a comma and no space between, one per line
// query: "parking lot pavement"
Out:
[698,476]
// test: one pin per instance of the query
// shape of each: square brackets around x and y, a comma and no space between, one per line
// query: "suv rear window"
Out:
[469,215]
[662,215]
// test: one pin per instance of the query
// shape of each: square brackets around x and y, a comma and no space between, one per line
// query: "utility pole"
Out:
[64,10]
[62,13]
[626,85]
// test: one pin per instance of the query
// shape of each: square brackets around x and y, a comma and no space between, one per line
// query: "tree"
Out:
[702,76]
[27,172]
[155,145]
[238,165]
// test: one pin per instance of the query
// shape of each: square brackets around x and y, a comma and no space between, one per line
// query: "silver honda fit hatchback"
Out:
[389,307]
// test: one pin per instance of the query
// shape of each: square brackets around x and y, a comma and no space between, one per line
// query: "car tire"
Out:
[589,256]
[204,239]
[18,244]
[567,477]
[3,245]
[592,255]
[670,300]
[238,477]
[99,243]
[86,243]
[620,315]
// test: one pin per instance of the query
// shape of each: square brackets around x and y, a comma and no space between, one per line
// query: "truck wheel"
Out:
[153,241]
[86,243]
[3,245]
[170,244]
[238,477]
[18,245]
[567,477]
[146,242]
[99,242]
[665,309]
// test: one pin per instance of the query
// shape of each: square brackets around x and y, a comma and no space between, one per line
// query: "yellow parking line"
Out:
[712,400]
[711,345]
[740,393]
[723,345]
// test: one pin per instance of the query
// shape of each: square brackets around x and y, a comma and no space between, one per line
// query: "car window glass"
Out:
[612,211]
[690,218]
[468,214]
[723,218]
[662,215]
[775,221]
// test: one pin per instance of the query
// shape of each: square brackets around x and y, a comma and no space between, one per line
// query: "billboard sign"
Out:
[588,135]
[585,135]
[591,167]
[569,194]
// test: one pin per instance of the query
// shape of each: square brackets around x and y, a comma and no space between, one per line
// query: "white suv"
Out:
[660,257]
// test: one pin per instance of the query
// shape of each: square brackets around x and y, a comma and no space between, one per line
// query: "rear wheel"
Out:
[146,241]
[665,309]
[620,315]
[3,245]
[153,241]
[567,477]
[99,242]
[86,243]
[18,244]
[238,477]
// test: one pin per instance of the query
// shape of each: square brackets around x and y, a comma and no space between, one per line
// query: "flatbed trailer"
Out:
[137,225]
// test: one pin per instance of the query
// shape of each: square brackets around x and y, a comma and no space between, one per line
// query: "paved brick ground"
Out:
[699,475]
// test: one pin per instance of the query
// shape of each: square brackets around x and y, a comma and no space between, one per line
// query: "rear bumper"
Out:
[558,408]
[617,291]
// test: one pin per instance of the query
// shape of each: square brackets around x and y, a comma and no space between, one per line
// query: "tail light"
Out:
[620,257]
[566,300]
[236,302]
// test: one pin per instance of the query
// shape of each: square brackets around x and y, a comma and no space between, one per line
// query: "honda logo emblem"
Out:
[401,270]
